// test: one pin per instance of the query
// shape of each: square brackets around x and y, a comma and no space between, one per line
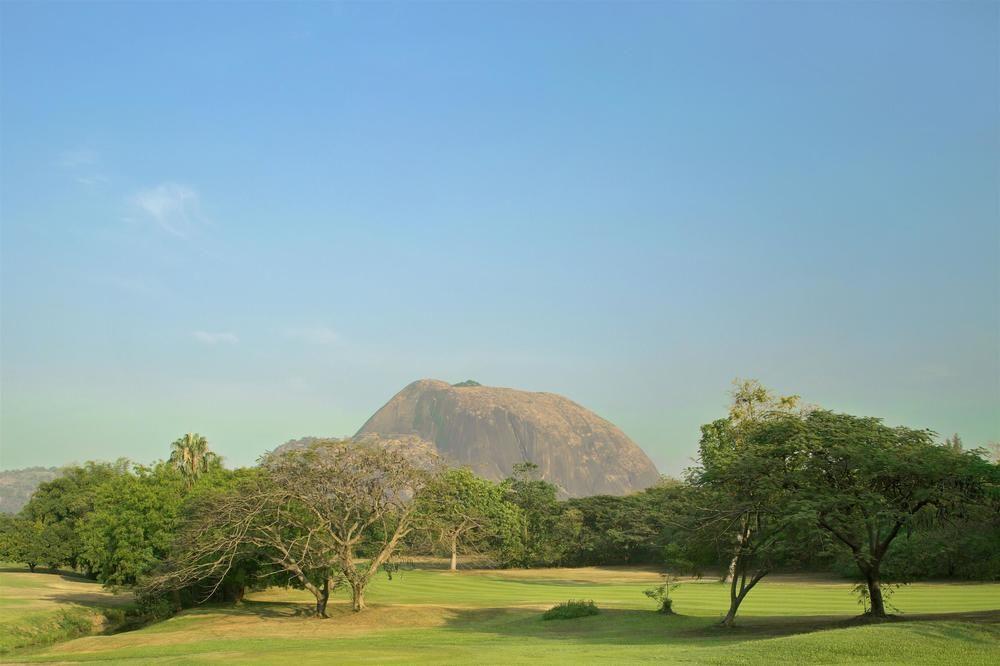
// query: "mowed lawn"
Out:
[475,617]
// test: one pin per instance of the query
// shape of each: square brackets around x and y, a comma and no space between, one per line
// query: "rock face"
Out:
[491,429]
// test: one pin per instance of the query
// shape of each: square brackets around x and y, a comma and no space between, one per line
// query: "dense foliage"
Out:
[776,487]
[460,511]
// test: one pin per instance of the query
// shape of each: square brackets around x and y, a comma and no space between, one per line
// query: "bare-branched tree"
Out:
[363,494]
[330,513]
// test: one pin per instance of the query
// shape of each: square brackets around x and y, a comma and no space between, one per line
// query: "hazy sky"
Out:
[260,221]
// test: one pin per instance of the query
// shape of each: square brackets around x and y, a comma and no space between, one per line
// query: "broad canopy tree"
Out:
[30,541]
[864,483]
[361,493]
[254,523]
[466,512]
[332,513]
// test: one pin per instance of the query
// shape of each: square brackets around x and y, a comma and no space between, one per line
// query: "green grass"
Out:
[39,609]
[705,598]
[437,617]
[47,627]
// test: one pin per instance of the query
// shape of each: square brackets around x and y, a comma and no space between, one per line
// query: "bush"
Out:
[661,594]
[114,616]
[571,609]
[72,624]
[145,611]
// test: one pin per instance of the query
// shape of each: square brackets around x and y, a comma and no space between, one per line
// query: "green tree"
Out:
[745,471]
[549,528]
[250,526]
[467,512]
[133,522]
[954,443]
[23,540]
[864,483]
[191,456]
[59,506]
[332,512]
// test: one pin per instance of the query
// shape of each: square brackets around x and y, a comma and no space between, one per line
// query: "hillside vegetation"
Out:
[17,485]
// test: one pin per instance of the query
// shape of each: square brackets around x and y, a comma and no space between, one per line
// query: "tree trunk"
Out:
[322,599]
[31,566]
[233,592]
[454,552]
[739,588]
[358,593]
[875,597]
[731,571]
[734,597]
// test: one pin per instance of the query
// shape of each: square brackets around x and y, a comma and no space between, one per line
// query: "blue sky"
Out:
[260,221]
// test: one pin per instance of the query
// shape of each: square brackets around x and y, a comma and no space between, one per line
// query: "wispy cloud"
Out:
[93,179]
[85,164]
[77,158]
[173,207]
[210,338]
[315,335]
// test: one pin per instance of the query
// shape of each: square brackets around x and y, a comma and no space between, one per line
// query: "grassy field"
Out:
[495,617]
[41,608]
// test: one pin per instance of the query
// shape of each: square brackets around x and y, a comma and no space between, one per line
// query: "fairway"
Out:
[426,616]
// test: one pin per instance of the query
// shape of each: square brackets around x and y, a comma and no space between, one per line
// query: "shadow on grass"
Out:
[62,573]
[621,626]
[85,592]
[88,600]
[269,609]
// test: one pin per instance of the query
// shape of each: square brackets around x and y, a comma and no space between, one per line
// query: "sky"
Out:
[260,221]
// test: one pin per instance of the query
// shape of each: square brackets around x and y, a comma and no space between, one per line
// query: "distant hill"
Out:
[491,429]
[16,485]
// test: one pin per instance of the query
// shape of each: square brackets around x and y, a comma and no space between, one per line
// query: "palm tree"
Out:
[190,455]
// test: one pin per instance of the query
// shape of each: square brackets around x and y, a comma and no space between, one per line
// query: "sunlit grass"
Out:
[44,608]
[496,617]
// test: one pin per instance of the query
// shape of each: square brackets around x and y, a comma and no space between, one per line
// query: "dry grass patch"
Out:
[55,589]
[273,620]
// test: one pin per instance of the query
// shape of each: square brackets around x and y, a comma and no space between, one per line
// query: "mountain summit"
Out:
[492,429]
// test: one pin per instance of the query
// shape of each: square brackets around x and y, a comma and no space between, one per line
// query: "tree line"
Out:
[777,486]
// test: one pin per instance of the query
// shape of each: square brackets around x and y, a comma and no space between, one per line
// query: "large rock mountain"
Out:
[491,429]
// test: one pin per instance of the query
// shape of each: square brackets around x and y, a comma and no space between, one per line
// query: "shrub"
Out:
[661,594]
[114,616]
[571,609]
[72,624]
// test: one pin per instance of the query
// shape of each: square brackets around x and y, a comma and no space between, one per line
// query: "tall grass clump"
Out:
[568,610]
